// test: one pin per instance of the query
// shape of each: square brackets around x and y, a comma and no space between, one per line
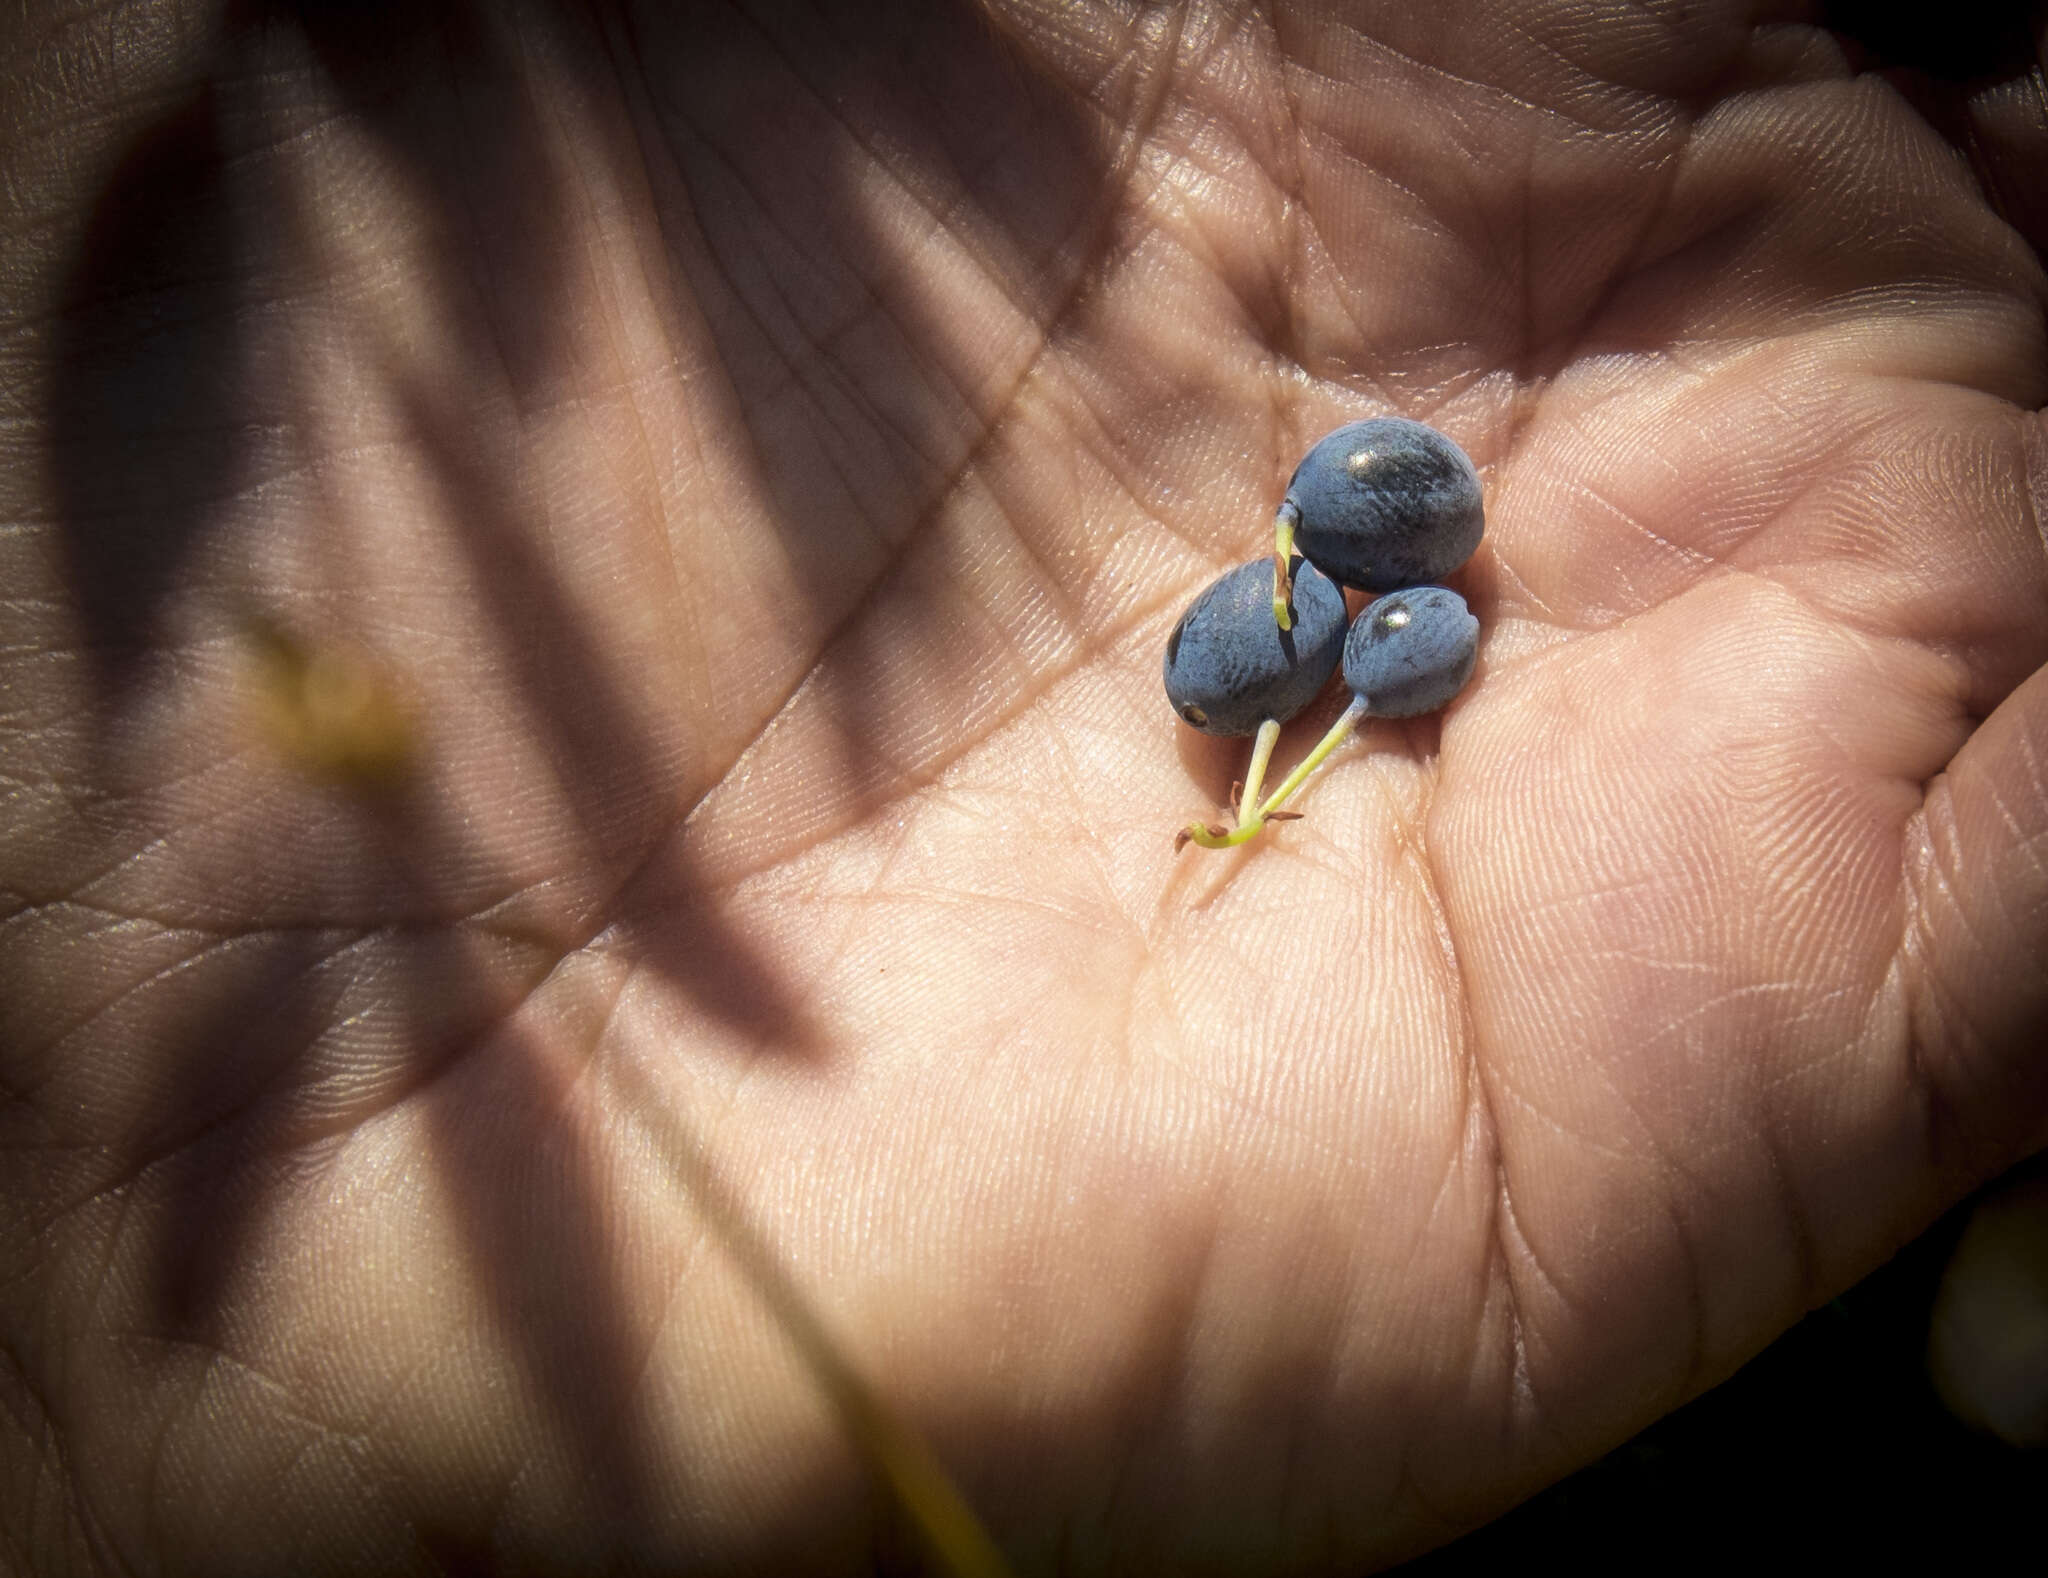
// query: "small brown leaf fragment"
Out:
[1285,816]
[1181,840]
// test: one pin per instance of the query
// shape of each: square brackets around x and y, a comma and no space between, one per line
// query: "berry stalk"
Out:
[1285,519]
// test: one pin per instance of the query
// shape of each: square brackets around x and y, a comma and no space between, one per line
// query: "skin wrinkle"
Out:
[74,1488]
[1075,782]
[993,430]
[592,1074]
[1087,649]
[2031,850]
[1287,183]
[1507,1248]
[1360,338]
[800,376]
[1817,1063]
[121,1185]
[1503,1234]
[870,893]
[1679,1029]
[279,1394]
[1145,41]
[942,218]
[1503,1092]
[1494,93]
[1093,849]
[687,636]
[1049,583]
[1940,848]
[1540,613]
[177,967]
[1942,1123]
[525,661]
[1511,1246]
[1678,136]
[167,842]
[1101,448]
[1697,557]
[1649,961]
[1914,950]
[118,921]
[795,383]
[643,484]
[1722,565]
[1694,1370]
[511,386]
[1167,200]
[1792,1210]
[699,1240]
[871,306]
[153,1460]
[1229,1097]
[47,1473]
[210,949]
[1407,1482]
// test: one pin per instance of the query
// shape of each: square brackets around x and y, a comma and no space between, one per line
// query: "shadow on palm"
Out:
[362,969]
[1543,1049]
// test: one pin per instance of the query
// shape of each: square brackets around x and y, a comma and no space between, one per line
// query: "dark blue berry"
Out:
[1385,503]
[1411,651]
[1229,667]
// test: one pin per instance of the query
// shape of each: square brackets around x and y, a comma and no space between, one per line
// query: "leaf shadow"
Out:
[153,436]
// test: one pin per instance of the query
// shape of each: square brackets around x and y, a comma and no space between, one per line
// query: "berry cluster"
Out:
[1386,506]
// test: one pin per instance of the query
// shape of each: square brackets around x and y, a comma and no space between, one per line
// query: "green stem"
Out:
[1253,814]
[1255,775]
[1284,522]
[1250,818]
[1213,837]
[1347,720]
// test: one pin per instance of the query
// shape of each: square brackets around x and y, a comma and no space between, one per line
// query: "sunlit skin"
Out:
[584,600]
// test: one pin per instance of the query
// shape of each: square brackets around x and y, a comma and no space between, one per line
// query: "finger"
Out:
[1978,931]
[1987,1342]
[2007,140]
[1977,79]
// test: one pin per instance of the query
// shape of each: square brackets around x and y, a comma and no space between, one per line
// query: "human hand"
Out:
[737,479]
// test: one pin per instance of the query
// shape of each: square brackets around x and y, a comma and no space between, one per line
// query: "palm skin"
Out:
[767,468]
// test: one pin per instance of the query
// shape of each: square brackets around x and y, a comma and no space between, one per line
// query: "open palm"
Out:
[758,459]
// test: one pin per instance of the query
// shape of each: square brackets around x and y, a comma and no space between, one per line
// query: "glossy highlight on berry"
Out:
[1379,505]
[1411,651]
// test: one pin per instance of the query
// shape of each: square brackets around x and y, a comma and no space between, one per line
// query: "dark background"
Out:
[1828,1451]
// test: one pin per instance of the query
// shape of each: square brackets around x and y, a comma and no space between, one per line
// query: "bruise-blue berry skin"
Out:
[1229,667]
[1411,651]
[1385,503]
